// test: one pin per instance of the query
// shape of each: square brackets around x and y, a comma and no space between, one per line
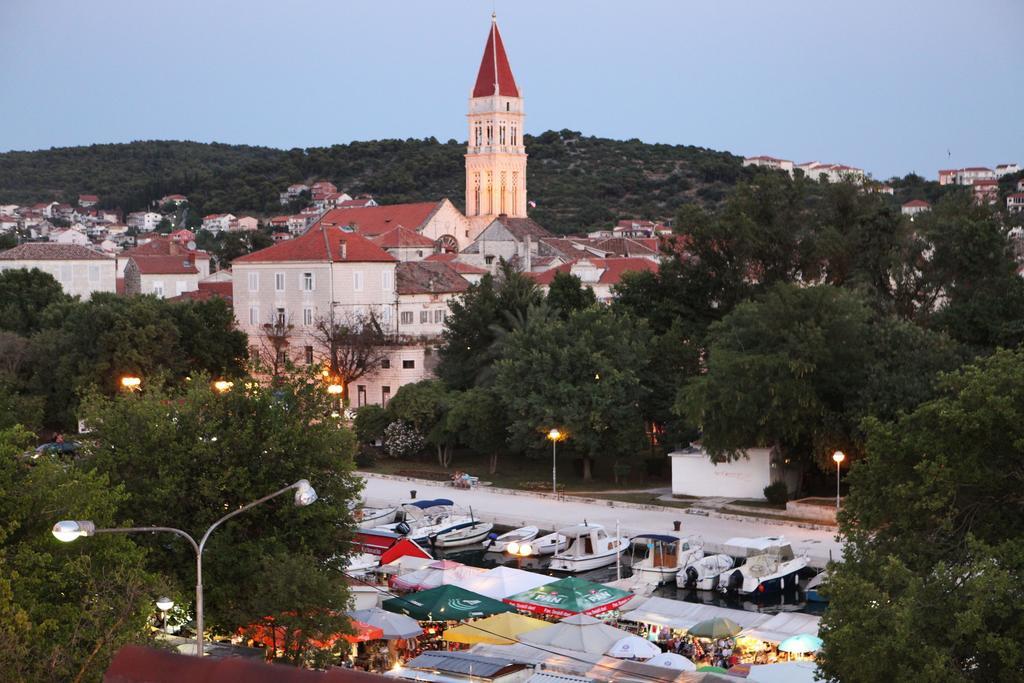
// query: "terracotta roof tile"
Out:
[613,269]
[47,251]
[374,220]
[165,265]
[402,237]
[312,246]
[428,277]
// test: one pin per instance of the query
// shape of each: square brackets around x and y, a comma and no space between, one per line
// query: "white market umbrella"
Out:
[579,632]
[783,672]
[670,660]
[395,626]
[633,647]
[501,582]
[435,575]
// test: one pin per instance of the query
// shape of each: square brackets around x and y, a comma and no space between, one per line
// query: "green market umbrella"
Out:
[719,627]
[445,603]
[569,596]
[713,669]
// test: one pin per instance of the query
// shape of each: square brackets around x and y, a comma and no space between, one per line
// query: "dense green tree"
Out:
[65,608]
[567,294]
[488,307]
[934,558]
[94,343]
[189,455]
[581,375]
[477,418]
[424,406]
[370,423]
[799,369]
[24,295]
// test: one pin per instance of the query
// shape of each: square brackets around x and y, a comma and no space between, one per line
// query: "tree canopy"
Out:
[933,523]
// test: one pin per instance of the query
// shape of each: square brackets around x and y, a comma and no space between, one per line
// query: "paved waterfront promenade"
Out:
[519,508]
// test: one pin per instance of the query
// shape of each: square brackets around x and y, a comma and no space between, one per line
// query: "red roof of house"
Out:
[978,168]
[164,246]
[494,69]
[376,220]
[165,265]
[458,266]
[428,277]
[985,182]
[208,290]
[88,197]
[313,246]
[355,203]
[1015,195]
[916,202]
[402,237]
[613,269]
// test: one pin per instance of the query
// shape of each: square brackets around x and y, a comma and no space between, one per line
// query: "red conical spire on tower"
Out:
[495,75]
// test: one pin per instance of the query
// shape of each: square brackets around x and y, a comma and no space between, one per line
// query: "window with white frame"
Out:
[357,281]
[254,282]
[424,317]
[66,274]
[407,317]
[254,315]
[387,280]
[278,282]
[307,316]
[280,317]
[158,288]
[385,315]
[94,273]
[439,315]
[307,282]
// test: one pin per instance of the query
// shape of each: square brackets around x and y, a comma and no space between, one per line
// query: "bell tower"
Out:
[496,157]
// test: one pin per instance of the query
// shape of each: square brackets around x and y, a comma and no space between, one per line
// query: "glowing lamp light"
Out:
[164,604]
[131,382]
[513,548]
[335,389]
[838,457]
[554,435]
[223,385]
[304,493]
[71,530]
[526,549]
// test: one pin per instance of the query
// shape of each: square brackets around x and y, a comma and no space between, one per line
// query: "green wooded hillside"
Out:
[576,181]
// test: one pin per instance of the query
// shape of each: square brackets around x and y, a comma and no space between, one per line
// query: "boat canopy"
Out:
[580,530]
[424,504]
[664,538]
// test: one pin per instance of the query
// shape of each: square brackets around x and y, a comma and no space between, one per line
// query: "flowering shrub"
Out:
[401,440]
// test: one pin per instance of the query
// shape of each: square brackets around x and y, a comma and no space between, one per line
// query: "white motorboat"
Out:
[370,517]
[703,573]
[664,556]
[516,536]
[549,544]
[462,533]
[590,547]
[768,566]
[439,523]
[814,587]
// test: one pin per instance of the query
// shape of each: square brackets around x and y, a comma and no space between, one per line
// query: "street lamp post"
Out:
[68,530]
[164,605]
[838,456]
[554,435]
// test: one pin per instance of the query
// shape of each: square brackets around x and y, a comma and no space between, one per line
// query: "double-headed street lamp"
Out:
[69,530]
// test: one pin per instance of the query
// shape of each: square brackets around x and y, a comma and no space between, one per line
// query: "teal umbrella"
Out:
[801,644]
[445,603]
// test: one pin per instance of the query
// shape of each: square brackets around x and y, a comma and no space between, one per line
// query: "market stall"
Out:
[501,582]
[569,596]
[441,608]
[500,629]
[579,632]
[438,573]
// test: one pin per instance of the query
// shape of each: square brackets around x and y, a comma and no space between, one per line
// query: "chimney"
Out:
[528,262]
[342,251]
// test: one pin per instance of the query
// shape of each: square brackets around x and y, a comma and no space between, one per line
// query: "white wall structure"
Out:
[694,474]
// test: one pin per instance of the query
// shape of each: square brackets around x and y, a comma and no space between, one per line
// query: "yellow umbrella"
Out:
[500,629]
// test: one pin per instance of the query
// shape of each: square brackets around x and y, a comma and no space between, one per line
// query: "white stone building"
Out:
[79,270]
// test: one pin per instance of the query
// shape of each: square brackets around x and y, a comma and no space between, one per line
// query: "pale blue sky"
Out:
[887,85]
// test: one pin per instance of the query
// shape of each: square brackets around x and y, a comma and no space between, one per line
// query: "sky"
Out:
[891,86]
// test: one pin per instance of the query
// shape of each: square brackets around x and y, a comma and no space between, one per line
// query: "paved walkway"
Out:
[520,508]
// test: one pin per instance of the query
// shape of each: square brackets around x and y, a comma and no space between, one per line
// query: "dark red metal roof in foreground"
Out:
[134,664]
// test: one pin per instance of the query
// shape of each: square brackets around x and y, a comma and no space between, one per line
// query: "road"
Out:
[525,508]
